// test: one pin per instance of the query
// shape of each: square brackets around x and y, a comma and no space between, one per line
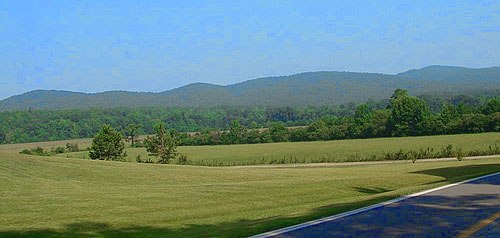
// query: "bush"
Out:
[139,159]
[26,152]
[58,150]
[72,147]
[460,154]
[447,151]
[36,151]
[182,159]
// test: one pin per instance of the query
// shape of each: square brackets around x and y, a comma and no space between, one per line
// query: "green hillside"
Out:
[450,74]
[304,89]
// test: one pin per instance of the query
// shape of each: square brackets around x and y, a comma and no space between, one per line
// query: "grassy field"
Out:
[16,148]
[332,151]
[54,197]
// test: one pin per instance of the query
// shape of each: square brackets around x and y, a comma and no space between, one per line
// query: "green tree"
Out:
[163,144]
[236,133]
[473,123]
[362,114]
[298,134]
[107,145]
[132,132]
[447,120]
[408,114]
[448,113]
[2,137]
[362,119]
[492,106]
[278,132]
[494,122]
[398,93]
[318,130]
[378,123]
[253,136]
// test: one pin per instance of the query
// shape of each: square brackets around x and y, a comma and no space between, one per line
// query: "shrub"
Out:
[447,151]
[182,159]
[36,151]
[460,154]
[139,159]
[72,147]
[58,150]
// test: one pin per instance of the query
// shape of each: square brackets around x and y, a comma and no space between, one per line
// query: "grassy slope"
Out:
[42,196]
[340,150]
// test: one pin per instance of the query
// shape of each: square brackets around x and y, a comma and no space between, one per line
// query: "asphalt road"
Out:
[470,209]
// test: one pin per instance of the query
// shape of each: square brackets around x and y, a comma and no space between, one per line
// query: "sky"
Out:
[153,46]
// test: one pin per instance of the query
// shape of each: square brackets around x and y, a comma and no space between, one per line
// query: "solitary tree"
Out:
[107,145]
[132,131]
[163,144]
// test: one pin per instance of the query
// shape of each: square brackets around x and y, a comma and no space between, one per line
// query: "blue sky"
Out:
[94,46]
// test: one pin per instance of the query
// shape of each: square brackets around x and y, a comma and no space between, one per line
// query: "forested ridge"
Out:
[298,90]
[437,114]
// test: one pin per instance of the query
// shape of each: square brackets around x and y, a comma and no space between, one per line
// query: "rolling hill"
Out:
[310,88]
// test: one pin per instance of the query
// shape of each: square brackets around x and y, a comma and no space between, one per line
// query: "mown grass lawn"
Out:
[57,197]
[337,151]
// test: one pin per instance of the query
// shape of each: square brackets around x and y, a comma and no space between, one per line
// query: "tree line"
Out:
[437,114]
[405,115]
[49,125]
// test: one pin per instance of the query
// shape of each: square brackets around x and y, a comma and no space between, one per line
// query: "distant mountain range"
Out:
[311,88]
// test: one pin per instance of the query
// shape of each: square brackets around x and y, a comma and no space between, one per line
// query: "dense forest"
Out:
[298,90]
[439,114]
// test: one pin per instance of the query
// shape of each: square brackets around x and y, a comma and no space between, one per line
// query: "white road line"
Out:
[360,210]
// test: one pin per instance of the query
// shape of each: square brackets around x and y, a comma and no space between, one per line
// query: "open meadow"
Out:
[331,151]
[298,152]
[55,196]
[58,197]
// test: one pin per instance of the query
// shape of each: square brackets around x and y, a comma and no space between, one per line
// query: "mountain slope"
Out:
[450,74]
[311,88]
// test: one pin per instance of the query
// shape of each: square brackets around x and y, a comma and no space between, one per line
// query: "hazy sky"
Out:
[94,46]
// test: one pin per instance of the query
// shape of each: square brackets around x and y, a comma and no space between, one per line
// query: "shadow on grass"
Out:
[376,190]
[240,228]
[461,173]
